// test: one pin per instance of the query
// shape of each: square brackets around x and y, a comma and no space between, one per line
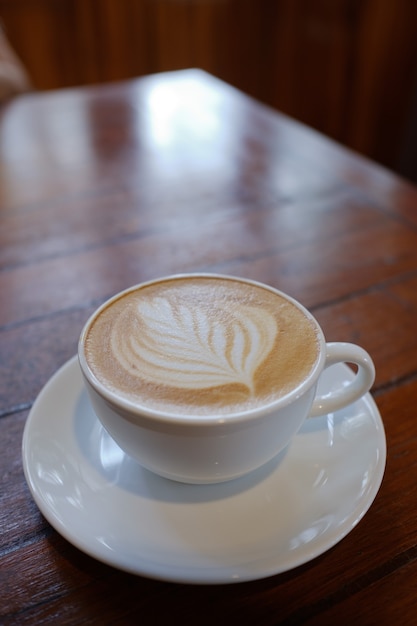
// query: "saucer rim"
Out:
[193,574]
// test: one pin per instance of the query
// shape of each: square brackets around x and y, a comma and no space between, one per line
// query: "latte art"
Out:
[201,345]
[181,345]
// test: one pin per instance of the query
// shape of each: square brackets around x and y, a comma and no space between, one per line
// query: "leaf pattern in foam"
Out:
[176,344]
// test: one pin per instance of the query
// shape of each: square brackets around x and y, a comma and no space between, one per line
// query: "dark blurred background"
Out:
[348,68]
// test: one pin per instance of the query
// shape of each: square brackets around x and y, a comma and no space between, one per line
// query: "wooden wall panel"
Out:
[305,49]
[42,33]
[385,69]
[112,39]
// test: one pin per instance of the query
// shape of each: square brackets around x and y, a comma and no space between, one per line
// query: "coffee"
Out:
[201,345]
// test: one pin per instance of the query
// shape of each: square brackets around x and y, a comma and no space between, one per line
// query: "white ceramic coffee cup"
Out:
[222,447]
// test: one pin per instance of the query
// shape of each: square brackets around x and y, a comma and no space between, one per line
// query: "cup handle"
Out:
[361,383]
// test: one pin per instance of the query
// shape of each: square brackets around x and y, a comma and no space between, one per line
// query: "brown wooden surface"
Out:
[348,68]
[103,187]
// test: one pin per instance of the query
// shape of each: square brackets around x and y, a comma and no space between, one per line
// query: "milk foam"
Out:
[199,344]
[181,345]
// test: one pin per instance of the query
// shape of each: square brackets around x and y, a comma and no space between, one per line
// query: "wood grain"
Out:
[345,67]
[103,187]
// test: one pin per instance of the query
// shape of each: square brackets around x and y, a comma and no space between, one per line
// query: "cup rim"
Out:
[138,411]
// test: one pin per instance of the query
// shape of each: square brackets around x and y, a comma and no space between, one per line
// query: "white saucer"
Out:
[286,513]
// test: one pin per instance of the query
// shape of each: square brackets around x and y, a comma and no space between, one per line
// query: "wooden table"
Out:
[103,187]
